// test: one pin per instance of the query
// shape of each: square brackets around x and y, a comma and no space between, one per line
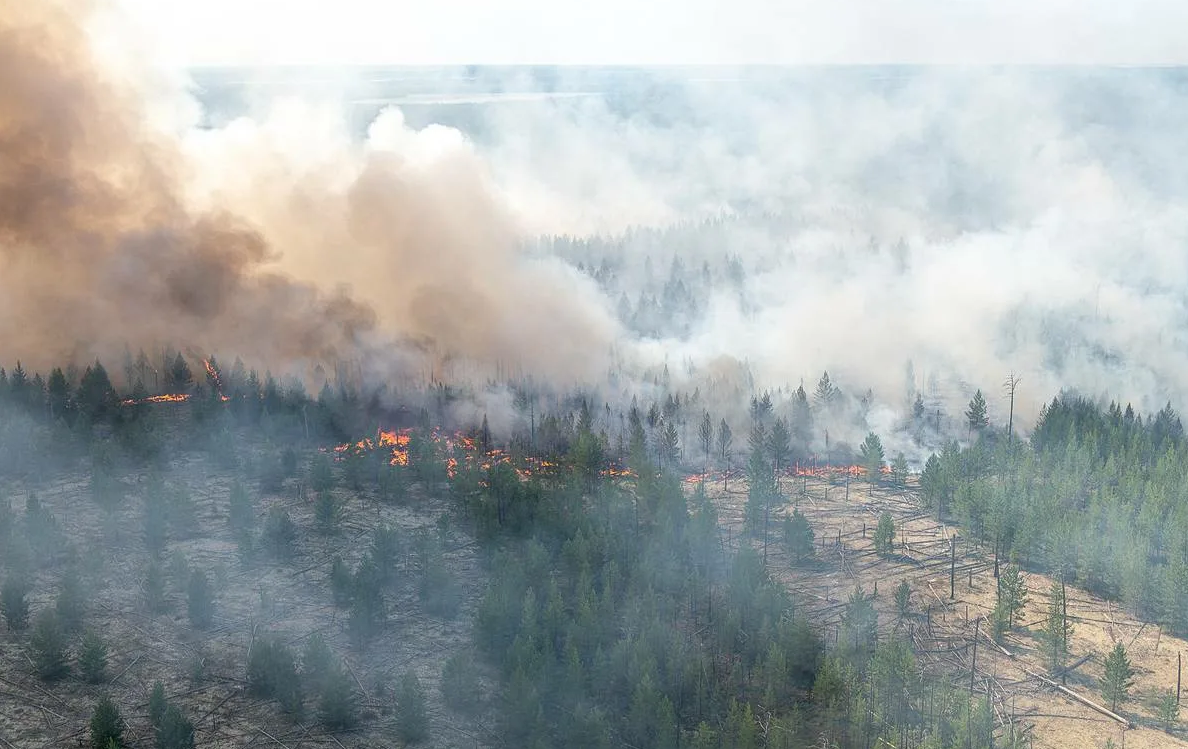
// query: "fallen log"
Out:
[1083,700]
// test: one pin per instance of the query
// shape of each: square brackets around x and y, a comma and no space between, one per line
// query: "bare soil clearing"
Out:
[943,630]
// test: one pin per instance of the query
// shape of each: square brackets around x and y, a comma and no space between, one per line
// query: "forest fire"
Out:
[168,398]
[215,378]
[459,450]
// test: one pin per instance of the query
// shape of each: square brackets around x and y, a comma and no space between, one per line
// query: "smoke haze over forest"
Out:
[976,222]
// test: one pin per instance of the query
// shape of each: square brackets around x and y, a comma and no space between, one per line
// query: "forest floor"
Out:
[944,630]
[204,672]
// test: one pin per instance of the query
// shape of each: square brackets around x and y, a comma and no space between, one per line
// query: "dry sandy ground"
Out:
[1048,717]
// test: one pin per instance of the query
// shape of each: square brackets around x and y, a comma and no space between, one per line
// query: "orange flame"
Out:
[213,374]
[175,398]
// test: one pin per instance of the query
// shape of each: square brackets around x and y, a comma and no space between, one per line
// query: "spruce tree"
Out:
[705,437]
[1058,630]
[153,589]
[412,717]
[92,658]
[975,416]
[798,536]
[71,604]
[337,706]
[14,603]
[1118,678]
[157,704]
[200,600]
[872,457]
[48,643]
[107,725]
[884,535]
[174,730]
[459,682]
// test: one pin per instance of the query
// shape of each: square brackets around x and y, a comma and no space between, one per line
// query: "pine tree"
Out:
[174,730]
[903,594]
[899,469]
[1118,678]
[327,513]
[779,445]
[200,600]
[725,443]
[826,394]
[179,376]
[92,658]
[279,532]
[341,582]
[1059,629]
[412,718]
[153,588]
[705,437]
[157,704]
[337,707]
[1012,593]
[107,725]
[884,535]
[459,682]
[1169,709]
[976,414]
[859,625]
[14,603]
[669,446]
[48,644]
[872,456]
[272,673]
[798,536]
[802,418]
[241,512]
[71,604]
[316,662]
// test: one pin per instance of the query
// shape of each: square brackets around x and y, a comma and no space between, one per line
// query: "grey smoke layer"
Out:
[976,222]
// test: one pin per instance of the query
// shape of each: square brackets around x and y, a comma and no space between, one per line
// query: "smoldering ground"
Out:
[978,223]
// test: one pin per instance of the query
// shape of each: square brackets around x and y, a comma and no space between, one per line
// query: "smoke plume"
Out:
[282,241]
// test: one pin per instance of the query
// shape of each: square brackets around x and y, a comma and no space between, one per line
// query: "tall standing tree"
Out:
[871,452]
[14,603]
[58,394]
[798,536]
[1118,678]
[884,535]
[976,414]
[802,418]
[705,435]
[779,447]
[107,725]
[826,394]
[179,375]
[725,444]
[1012,593]
[48,643]
[200,600]
[669,446]
[1058,630]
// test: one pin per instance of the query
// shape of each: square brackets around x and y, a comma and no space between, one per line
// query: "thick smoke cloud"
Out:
[976,222]
[281,241]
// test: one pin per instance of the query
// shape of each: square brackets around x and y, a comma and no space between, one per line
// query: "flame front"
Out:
[461,451]
[171,398]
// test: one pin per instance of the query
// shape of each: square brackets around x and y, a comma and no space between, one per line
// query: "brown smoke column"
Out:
[106,241]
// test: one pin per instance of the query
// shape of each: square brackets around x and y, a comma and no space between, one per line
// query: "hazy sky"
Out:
[668,31]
